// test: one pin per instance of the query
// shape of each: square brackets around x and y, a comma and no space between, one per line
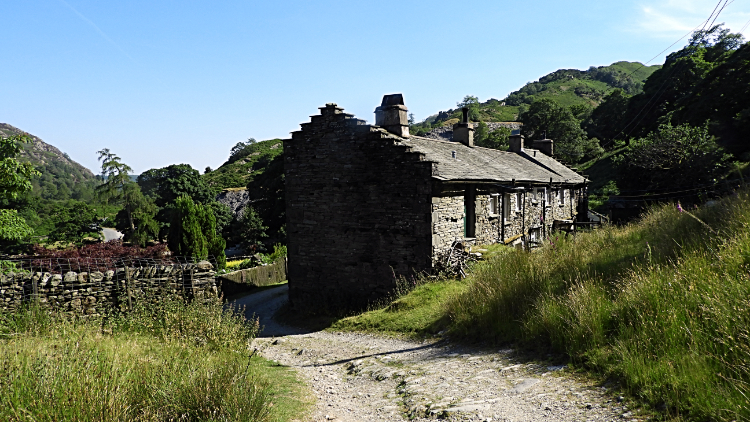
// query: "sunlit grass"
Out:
[167,362]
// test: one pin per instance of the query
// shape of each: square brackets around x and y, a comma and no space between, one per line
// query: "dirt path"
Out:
[359,377]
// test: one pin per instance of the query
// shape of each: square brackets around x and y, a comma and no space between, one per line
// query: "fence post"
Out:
[127,287]
[34,289]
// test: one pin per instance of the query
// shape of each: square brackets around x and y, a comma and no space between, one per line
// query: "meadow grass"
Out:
[172,361]
[419,313]
[661,306]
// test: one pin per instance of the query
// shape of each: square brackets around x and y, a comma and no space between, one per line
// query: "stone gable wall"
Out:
[358,213]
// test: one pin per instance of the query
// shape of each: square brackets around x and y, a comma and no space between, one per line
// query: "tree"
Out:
[165,185]
[252,230]
[15,179]
[193,232]
[547,118]
[215,244]
[672,156]
[496,139]
[185,237]
[74,222]
[472,103]
[136,219]
[606,121]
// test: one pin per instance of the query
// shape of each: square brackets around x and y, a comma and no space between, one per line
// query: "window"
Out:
[573,196]
[535,195]
[519,201]
[548,196]
[506,207]
[561,196]
[494,204]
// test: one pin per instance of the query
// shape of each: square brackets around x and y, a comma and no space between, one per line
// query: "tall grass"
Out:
[663,305]
[172,361]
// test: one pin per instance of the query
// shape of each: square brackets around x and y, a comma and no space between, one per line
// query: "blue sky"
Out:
[163,82]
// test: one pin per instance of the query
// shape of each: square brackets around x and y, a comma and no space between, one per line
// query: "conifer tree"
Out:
[185,237]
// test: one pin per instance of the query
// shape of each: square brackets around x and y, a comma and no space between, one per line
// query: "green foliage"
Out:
[699,82]
[185,237]
[472,103]
[547,118]
[15,176]
[496,139]
[193,231]
[137,218]
[13,226]
[74,222]
[268,193]
[15,179]
[251,229]
[672,156]
[165,185]
[247,161]
[165,361]
[657,305]
[215,244]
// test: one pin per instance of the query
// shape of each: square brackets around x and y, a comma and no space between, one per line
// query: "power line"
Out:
[654,99]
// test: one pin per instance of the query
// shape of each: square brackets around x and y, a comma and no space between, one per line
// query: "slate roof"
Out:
[491,165]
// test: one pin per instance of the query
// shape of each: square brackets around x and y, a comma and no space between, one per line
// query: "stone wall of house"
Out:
[526,214]
[447,220]
[358,213]
[96,292]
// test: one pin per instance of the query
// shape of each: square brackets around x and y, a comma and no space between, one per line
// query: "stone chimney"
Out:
[545,146]
[392,115]
[464,132]
[516,143]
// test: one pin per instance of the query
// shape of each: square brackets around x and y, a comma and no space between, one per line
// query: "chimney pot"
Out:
[516,143]
[392,115]
[545,146]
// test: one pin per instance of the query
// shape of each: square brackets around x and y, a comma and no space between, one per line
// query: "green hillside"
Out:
[567,87]
[247,160]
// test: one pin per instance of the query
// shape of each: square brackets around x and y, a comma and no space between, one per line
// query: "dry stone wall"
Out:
[97,292]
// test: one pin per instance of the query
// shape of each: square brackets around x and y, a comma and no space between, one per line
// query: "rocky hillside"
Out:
[42,153]
[61,177]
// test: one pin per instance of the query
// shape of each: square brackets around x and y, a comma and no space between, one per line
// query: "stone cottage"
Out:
[367,204]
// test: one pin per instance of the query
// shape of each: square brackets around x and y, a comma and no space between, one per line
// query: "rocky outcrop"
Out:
[235,199]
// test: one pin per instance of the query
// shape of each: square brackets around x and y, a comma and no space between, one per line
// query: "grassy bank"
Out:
[167,362]
[662,306]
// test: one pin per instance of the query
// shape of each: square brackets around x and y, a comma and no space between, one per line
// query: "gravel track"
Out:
[362,377]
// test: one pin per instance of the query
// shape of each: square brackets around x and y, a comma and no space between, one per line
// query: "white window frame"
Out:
[519,201]
[494,205]
[506,207]
[561,196]
[535,196]
[548,196]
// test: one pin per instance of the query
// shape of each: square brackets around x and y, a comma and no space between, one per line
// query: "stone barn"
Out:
[367,204]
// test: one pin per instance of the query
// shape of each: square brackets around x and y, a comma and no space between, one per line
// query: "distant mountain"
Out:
[567,87]
[61,177]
